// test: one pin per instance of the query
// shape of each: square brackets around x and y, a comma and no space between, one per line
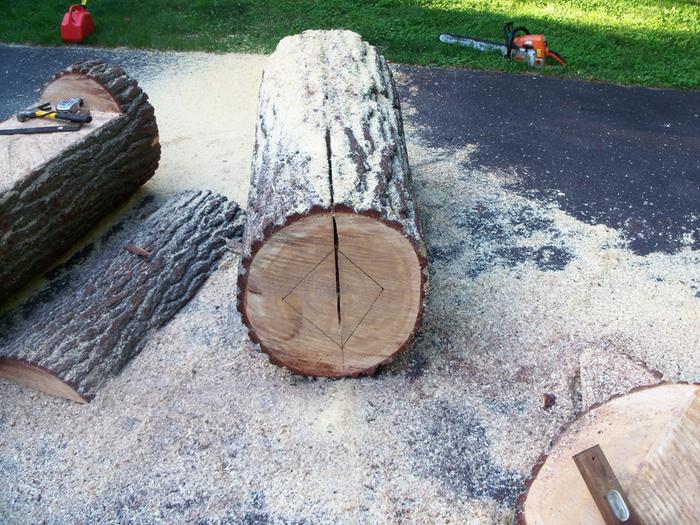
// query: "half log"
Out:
[333,273]
[55,187]
[70,345]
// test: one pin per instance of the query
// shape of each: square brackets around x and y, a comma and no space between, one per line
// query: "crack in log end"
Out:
[373,327]
[336,250]
[336,244]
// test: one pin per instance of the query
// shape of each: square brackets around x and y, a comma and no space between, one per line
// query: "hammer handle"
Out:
[60,115]
[72,117]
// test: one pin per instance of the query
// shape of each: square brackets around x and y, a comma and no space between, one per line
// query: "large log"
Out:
[333,273]
[70,345]
[55,187]
[651,438]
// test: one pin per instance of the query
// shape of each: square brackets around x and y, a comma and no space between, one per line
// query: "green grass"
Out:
[648,42]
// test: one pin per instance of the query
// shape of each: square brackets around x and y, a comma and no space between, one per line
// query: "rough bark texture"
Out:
[50,208]
[329,134]
[141,279]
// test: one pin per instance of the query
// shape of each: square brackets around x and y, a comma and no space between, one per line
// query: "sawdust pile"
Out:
[524,300]
[205,109]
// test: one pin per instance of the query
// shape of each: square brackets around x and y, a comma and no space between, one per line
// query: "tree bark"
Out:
[55,187]
[70,345]
[330,163]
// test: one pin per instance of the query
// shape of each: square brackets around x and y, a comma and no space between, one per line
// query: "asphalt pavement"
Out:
[626,157]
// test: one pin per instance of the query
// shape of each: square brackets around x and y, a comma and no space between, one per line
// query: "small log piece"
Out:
[70,345]
[333,273]
[55,187]
[651,438]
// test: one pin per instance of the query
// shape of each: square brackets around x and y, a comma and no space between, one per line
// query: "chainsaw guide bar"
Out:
[476,43]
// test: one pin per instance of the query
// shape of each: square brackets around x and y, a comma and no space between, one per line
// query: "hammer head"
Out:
[69,105]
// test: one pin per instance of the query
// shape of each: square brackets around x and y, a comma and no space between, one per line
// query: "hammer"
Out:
[45,111]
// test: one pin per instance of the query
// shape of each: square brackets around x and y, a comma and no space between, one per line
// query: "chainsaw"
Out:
[527,48]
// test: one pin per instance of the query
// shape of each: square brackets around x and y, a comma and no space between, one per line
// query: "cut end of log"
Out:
[333,294]
[95,96]
[38,378]
[651,438]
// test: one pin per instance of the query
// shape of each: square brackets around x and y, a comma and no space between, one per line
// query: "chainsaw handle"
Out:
[556,56]
[510,35]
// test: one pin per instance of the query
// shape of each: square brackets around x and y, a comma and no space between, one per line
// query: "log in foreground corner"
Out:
[333,271]
[651,438]
[56,187]
[70,345]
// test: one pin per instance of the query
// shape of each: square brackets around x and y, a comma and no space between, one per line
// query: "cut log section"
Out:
[651,438]
[55,187]
[333,273]
[70,345]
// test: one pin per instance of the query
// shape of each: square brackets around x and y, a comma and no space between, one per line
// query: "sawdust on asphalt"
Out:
[200,428]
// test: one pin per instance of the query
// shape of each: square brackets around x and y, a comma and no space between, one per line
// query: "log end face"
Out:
[70,85]
[38,378]
[333,295]
[102,86]
[629,429]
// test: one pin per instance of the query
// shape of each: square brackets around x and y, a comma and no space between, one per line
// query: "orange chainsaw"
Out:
[531,49]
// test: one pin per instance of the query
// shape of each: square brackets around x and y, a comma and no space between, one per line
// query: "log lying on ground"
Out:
[55,187]
[333,273]
[651,438]
[71,344]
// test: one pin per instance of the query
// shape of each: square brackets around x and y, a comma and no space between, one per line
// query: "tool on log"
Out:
[605,488]
[67,109]
[70,105]
[333,271]
[44,129]
[46,111]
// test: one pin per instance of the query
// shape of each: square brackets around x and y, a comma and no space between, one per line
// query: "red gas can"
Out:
[77,24]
